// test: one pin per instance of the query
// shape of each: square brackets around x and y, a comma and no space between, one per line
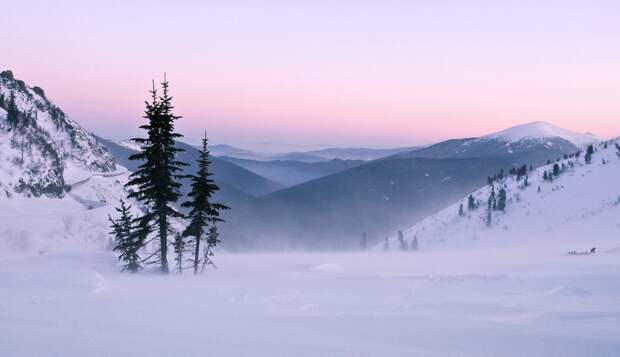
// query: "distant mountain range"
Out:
[358,154]
[315,199]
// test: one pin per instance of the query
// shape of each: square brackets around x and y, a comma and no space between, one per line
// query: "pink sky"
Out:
[373,73]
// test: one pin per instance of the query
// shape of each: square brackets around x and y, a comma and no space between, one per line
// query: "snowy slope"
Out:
[42,148]
[540,130]
[581,207]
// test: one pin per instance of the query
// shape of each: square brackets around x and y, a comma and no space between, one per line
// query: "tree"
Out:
[617,149]
[402,242]
[202,212]
[414,243]
[471,203]
[461,213]
[589,153]
[545,176]
[125,241]
[12,112]
[501,201]
[212,241]
[179,247]
[156,181]
[556,170]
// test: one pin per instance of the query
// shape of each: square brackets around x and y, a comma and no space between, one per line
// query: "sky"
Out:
[323,73]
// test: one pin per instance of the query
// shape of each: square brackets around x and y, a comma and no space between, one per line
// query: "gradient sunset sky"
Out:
[376,73]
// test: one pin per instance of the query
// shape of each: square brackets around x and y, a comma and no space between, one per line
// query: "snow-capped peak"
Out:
[542,130]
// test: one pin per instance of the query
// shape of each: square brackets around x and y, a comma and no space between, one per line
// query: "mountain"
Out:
[363,154]
[385,195]
[290,173]
[220,150]
[377,198]
[541,130]
[583,201]
[41,148]
[226,174]
[531,144]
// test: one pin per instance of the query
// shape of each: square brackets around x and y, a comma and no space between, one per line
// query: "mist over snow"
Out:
[477,285]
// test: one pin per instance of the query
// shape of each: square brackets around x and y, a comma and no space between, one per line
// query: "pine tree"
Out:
[589,153]
[12,112]
[414,243]
[179,248]
[461,213]
[202,212]
[556,170]
[471,203]
[125,241]
[156,181]
[617,149]
[545,176]
[501,201]
[212,241]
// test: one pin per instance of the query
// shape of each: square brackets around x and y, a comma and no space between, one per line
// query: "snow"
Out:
[541,130]
[130,144]
[509,292]
[488,302]
[581,207]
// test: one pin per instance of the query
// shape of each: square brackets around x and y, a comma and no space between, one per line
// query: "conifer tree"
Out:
[179,248]
[203,212]
[125,241]
[589,153]
[501,201]
[545,176]
[617,149]
[556,170]
[471,203]
[12,112]
[414,243]
[156,181]
[461,213]
[212,241]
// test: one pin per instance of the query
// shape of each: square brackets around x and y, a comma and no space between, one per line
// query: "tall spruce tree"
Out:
[156,181]
[203,212]
[125,241]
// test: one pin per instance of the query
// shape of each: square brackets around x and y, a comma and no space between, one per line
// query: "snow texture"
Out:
[540,130]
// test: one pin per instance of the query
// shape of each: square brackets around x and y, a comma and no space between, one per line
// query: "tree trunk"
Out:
[163,242]
[197,253]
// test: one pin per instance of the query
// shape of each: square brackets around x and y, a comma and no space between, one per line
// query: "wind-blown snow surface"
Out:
[489,302]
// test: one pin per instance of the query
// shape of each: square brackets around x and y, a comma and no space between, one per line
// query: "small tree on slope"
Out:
[125,242]
[156,179]
[203,212]
[589,153]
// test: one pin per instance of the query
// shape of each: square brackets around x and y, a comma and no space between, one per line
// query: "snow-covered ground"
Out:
[579,209]
[489,302]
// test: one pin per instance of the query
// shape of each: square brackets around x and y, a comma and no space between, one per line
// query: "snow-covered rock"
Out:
[39,143]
